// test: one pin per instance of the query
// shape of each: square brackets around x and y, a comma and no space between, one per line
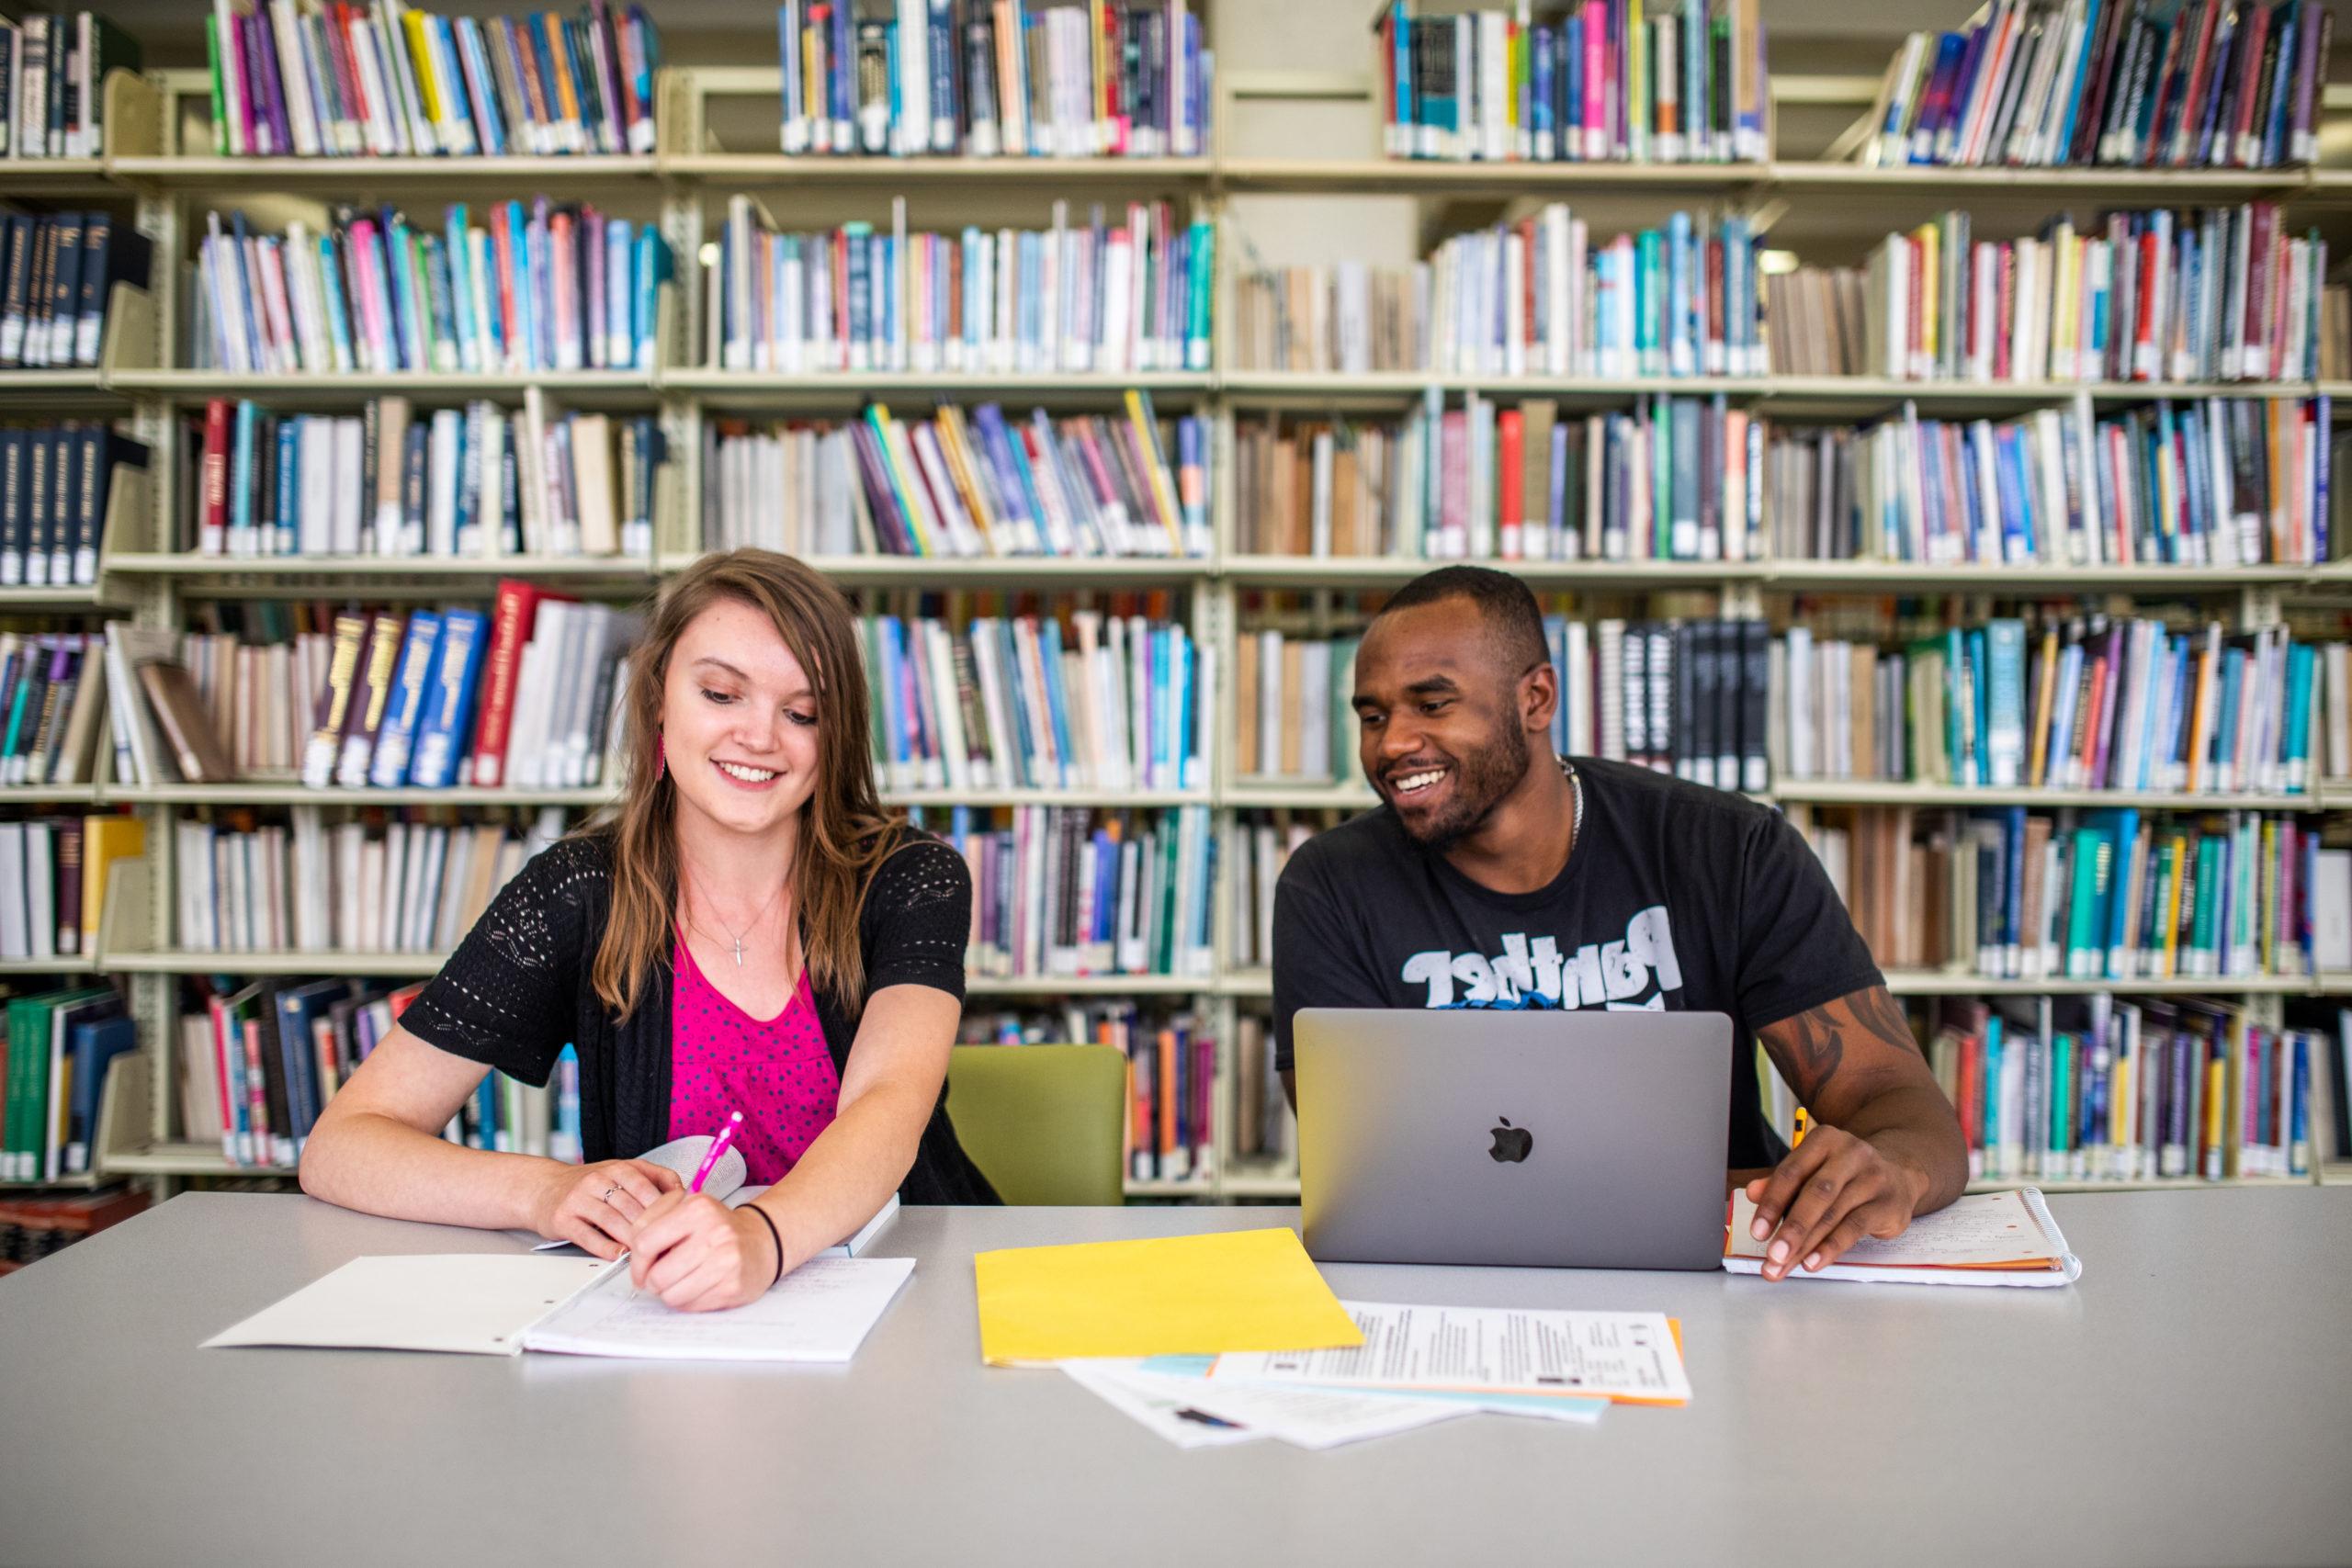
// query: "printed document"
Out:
[1623,1355]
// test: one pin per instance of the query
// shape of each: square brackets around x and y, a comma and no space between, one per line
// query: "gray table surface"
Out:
[2189,1401]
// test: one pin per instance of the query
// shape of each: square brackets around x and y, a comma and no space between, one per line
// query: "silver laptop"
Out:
[1588,1140]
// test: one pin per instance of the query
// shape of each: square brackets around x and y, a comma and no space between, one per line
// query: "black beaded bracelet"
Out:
[775,1237]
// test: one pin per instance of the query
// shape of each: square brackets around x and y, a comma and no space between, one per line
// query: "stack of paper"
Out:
[1225,1339]
[1417,1365]
[1989,1238]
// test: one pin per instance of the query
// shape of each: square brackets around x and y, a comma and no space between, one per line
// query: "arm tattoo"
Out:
[1814,1050]
[1879,1013]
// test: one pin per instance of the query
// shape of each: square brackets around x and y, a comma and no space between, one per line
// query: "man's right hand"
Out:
[595,1207]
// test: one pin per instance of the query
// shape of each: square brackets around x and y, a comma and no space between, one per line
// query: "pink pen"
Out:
[701,1172]
[718,1148]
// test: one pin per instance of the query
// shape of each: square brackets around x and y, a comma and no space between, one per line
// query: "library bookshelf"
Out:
[158,167]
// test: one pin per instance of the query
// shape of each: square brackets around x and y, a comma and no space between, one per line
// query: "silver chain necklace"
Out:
[755,920]
[1576,815]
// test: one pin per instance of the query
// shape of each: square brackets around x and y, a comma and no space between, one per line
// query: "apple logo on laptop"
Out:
[1512,1143]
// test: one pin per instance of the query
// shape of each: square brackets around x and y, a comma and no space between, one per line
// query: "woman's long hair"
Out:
[845,831]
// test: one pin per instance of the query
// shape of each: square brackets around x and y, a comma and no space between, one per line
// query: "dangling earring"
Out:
[660,758]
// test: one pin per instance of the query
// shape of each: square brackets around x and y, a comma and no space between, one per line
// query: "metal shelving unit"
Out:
[140,576]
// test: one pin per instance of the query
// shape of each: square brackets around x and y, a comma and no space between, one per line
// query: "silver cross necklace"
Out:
[755,920]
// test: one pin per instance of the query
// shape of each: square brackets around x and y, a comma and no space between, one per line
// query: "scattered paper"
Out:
[1623,1355]
[1307,1418]
[822,1311]
[1165,1405]
[1573,1408]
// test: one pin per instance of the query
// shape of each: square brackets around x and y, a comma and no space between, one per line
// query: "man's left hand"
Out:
[1832,1190]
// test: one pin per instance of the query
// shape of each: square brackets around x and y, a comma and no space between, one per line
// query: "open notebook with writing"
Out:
[1985,1239]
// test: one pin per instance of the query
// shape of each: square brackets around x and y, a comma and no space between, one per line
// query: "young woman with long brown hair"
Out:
[749,930]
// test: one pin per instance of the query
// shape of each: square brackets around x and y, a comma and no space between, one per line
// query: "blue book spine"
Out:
[2120,908]
[449,699]
[1682,306]
[1989,1130]
[525,349]
[338,307]
[408,332]
[1572,58]
[2233,685]
[467,329]
[2295,743]
[95,1044]
[290,486]
[2004,642]
[1049,648]
[411,679]
[653,270]
[1540,103]
[617,350]
[1979,704]
[241,482]
[1026,722]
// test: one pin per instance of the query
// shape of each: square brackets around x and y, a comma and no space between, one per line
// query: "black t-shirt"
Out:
[1674,896]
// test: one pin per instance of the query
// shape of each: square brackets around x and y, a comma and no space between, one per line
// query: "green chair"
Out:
[1043,1122]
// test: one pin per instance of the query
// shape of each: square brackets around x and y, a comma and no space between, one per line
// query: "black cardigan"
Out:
[519,988]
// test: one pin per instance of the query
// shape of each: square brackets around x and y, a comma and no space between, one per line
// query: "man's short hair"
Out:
[1504,602]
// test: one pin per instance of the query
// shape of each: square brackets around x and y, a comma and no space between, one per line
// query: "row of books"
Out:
[53,874]
[416,882]
[56,1049]
[377,77]
[1684,83]
[2078,703]
[259,1063]
[481,480]
[989,78]
[521,693]
[55,482]
[1100,297]
[2203,481]
[2108,1089]
[52,707]
[2218,294]
[1671,479]
[523,286]
[960,484]
[2206,83]
[1257,845]
[1265,1130]
[1083,700]
[539,685]
[1691,698]
[57,276]
[52,83]
[1061,892]
[1536,296]
[2111,894]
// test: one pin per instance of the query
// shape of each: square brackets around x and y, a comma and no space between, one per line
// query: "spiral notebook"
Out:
[1988,1238]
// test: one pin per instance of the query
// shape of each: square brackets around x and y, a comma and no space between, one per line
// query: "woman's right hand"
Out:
[595,1207]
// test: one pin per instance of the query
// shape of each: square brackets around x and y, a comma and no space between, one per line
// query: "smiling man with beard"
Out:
[1497,875]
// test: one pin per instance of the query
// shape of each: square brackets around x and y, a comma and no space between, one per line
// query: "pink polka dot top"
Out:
[776,1071]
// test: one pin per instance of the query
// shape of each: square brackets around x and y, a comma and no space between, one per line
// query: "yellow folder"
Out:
[1170,1295]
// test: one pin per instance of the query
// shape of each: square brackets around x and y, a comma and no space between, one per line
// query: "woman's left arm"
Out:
[695,1261]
